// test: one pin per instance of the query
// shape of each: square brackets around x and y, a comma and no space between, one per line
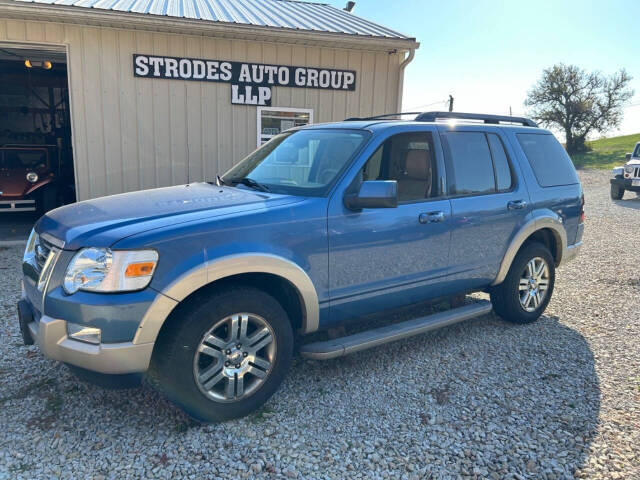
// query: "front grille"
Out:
[636,172]
[41,252]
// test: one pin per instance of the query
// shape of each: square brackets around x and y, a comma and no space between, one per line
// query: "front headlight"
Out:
[105,270]
[628,168]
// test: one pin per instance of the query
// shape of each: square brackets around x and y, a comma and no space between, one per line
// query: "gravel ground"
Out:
[483,399]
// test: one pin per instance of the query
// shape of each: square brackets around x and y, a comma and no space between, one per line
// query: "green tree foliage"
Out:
[578,102]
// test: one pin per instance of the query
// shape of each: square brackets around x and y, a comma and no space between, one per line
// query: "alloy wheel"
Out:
[534,283]
[235,357]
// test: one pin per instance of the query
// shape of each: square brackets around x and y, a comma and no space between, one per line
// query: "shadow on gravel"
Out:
[482,396]
[633,203]
[510,398]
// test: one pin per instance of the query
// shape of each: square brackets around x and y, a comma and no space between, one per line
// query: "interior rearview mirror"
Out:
[373,194]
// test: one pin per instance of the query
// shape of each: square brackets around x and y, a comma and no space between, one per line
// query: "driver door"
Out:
[382,258]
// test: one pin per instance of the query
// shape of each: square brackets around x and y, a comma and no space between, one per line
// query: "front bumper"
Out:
[625,183]
[17,205]
[50,334]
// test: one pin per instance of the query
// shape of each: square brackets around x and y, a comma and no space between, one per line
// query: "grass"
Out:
[259,415]
[606,153]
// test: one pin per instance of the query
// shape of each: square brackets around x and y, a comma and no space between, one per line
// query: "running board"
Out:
[390,333]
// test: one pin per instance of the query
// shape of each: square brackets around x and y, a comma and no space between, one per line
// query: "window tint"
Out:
[469,167]
[303,162]
[409,159]
[550,162]
[500,163]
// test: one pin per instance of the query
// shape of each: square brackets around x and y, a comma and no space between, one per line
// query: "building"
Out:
[137,94]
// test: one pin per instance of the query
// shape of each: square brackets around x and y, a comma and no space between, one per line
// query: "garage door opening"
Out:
[36,158]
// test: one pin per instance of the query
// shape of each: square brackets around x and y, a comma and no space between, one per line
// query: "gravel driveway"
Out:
[483,399]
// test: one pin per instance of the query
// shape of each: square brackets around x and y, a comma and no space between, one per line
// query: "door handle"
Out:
[431,217]
[517,205]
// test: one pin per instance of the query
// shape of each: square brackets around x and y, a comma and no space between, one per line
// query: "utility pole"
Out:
[510,114]
[450,103]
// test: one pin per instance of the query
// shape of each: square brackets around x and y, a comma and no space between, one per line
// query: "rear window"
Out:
[549,161]
[504,181]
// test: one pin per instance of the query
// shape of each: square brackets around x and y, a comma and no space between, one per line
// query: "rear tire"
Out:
[525,292]
[225,354]
[617,192]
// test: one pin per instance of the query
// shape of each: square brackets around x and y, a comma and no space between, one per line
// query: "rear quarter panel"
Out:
[563,200]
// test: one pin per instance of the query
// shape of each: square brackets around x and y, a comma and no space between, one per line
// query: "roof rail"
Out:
[379,117]
[494,119]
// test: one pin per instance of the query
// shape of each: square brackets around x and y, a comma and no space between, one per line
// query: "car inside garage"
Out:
[36,157]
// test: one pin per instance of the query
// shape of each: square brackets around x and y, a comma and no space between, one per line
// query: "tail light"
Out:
[582,209]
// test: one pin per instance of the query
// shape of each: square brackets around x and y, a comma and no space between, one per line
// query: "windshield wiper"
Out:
[219,181]
[251,183]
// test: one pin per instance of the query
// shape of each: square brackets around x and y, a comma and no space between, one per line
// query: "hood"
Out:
[14,183]
[634,161]
[103,221]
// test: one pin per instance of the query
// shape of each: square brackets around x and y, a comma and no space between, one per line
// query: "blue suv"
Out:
[203,285]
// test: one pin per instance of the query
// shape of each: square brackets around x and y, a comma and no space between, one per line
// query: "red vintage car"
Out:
[28,182]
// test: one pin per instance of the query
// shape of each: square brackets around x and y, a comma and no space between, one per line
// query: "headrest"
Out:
[418,164]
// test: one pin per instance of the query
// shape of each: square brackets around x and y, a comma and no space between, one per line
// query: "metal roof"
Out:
[278,14]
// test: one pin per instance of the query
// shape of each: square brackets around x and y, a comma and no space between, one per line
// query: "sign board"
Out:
[251,83]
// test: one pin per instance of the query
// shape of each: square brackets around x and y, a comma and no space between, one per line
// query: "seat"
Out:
[415,181]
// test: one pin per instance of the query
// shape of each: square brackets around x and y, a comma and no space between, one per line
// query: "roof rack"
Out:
[380,117]
[493,119]
[433,116]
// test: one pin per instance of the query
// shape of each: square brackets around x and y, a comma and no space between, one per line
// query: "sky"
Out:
[489,53]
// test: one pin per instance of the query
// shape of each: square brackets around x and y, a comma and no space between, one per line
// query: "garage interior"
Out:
[36,157]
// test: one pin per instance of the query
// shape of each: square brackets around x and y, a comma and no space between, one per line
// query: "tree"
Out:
[578,102]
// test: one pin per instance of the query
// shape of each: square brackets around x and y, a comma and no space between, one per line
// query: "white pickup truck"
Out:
[628,176]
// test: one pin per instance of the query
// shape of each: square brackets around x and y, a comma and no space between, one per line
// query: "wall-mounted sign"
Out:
[250,82]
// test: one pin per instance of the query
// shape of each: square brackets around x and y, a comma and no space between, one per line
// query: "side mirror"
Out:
[627,156]
[373,194]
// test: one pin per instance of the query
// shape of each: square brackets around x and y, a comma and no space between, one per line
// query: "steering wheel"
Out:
[327,175]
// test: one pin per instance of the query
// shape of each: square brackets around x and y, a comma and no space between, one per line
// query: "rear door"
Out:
[488,202]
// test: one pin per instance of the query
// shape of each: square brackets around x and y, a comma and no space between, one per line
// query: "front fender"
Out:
[39,185]
[223,267]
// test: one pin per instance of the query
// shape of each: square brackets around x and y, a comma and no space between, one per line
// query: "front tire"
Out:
[526,291]
[223,356]
[617,192]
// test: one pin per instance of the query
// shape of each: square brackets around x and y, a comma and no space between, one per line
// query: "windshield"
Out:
[22,159]
[303,162]
[636,152]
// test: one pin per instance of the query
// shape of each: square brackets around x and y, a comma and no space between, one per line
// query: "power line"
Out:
[428,105]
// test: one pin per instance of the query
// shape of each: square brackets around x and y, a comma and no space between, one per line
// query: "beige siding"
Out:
[134,133]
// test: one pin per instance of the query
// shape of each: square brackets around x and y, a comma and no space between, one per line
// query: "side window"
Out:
[469,166]
[636,153]
[409,159]
[372,169]
[504,179]
[548,159]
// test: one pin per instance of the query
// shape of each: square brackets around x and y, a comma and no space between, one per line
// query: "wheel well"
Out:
[279,288]
[548,238]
